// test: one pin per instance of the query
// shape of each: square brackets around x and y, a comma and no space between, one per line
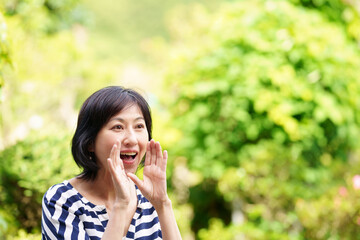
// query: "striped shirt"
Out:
[66,214]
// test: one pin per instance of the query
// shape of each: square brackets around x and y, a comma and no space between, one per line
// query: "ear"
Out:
[91,147]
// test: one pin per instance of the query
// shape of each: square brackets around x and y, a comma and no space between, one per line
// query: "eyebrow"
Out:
[122,120]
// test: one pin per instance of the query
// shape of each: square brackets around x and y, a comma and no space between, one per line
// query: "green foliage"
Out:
[267,100]
[4,50]
[341,212]
[344,13]
[34,18]
[48,16]
[216,231]
[28,169]
[126,26]
[40,62]
[331,8]
[23,235]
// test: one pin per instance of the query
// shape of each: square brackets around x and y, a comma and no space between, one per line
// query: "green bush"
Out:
[27,170]
[5,59]
[334,215]
[267,98]
[48,16]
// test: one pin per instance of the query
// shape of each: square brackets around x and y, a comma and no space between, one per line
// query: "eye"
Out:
[140,125]
[118,127]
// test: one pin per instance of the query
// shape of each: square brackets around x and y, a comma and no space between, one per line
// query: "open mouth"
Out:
[128,156]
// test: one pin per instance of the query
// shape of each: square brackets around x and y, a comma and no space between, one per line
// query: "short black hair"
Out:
[95,112]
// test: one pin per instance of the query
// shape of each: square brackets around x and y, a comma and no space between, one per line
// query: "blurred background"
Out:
[257,102]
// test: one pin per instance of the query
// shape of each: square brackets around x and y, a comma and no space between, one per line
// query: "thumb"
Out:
[136,180]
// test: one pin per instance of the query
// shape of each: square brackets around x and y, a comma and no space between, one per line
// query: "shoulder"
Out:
[65,213]
[61,194]
[59,190]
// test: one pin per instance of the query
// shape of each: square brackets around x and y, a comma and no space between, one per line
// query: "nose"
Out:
[129,138]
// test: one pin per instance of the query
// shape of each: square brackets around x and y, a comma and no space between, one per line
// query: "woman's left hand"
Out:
[153,187]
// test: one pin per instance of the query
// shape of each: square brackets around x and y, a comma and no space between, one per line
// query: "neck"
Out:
[99,191]
[103,184]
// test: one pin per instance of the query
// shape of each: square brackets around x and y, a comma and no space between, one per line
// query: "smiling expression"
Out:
[129,127]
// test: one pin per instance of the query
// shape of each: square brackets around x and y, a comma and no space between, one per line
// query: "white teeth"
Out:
[129,153]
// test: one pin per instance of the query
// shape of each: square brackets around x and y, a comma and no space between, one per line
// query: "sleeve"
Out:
[59,222]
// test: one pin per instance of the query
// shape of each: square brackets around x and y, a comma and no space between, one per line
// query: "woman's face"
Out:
[129,127]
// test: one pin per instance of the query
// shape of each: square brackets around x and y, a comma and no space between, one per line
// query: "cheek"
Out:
[103,147]
[143,140]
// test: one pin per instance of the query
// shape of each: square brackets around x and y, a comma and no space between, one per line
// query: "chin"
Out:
[131,169]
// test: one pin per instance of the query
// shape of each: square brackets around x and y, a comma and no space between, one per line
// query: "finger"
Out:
[147,155]
[136,180]
[164,162]
[117,179]
[165,154]
[158,154]
[152,152]
[118,159]
[116,153]
[114,171]
[111,167]
[112,153]
[121,164]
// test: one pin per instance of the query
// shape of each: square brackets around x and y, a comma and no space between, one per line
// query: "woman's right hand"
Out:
[123,206]
[124,187]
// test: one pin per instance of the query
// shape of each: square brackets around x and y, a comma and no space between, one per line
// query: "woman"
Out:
[107,200]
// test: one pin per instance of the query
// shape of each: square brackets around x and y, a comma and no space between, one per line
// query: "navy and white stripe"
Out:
[66,214]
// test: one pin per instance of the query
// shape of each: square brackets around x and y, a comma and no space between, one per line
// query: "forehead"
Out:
[131,111]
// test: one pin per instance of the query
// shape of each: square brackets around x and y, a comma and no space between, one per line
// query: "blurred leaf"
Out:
[267,102]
